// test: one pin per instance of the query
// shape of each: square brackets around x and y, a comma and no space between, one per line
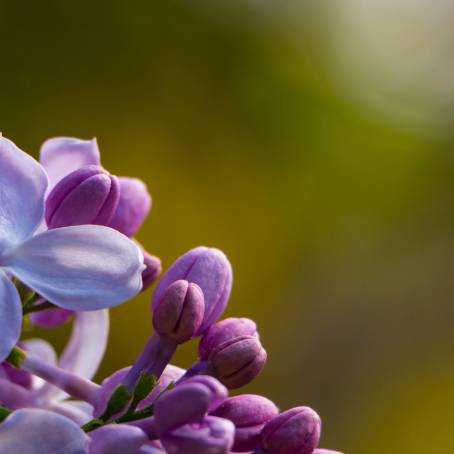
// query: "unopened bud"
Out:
[210,269]
[295,431]
[86,196]
[249,413]
[179,313]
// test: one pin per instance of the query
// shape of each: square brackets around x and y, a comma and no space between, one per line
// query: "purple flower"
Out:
[211,436]
[116,439]
[210,269]
[36,431]
[80,358]
[325,451]
[223,331]
[193,399]
[249,413]
[88,195]
[77,268]
[62,155]
[237,362]
[295,431]
[51,318]
[152,270]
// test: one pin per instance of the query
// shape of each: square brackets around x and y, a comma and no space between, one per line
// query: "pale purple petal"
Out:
[133,207]
[23,183]
[84,352]
[84,267]
[10,316]
[117,439]
[76,410]
[36,431]
[62,155]
[212,436]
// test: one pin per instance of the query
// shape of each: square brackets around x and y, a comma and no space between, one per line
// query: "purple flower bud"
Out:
[223,331]
[193,399]
[295,431]
[51,318]
[86,196]
[249,413]
[211,436]
[152,269]
[133,207]
[116,439]
[179,313]
[238,361]
[210,269]
[16,376]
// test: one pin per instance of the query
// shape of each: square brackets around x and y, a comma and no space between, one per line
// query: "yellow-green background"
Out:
[337,220]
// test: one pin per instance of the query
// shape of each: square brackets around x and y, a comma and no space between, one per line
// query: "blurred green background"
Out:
[286,134]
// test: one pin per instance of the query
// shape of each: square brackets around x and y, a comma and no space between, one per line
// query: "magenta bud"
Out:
[152,269]
[295,431]
[210,269]
[238,361]
[249,413]
[51,318]
[116,439]
[192,399]
[133,206]
[223,331]
[86,196]
[179,313]
[211,436]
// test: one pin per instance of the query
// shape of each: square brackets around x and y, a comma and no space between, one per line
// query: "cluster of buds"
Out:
[61,221]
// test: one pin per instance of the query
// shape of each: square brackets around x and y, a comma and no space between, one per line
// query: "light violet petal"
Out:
[23,184]
[76,410]
[86,267]
[62,155]
[117,439]
[84,352]
[10,316]
[36,431]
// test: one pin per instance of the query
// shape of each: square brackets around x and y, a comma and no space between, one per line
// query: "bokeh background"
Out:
[313,143]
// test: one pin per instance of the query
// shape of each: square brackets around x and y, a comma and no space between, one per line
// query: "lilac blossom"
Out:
[77,268]
[52,405]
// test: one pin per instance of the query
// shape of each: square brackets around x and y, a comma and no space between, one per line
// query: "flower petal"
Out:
[85,267]
[10,316]
[23,184]
[78,411]
[36,431]
[117,439]
[84,352]
[62,155]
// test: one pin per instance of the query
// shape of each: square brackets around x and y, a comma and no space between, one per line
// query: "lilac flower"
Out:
[249,413]
[152,270]
[36,431]
[211,436]
[295,431]
[81,358]
[210,269]
[62,155]
[116,439]
[77,268]
[88,195]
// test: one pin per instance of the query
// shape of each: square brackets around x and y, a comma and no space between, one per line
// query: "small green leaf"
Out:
[4,413]
[92,425]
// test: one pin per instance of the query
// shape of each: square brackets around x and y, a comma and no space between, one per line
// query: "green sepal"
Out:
[4,413]
[117,402]
[16,356]
[92,425]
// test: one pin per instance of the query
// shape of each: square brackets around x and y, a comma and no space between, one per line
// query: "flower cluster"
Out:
[66,252]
